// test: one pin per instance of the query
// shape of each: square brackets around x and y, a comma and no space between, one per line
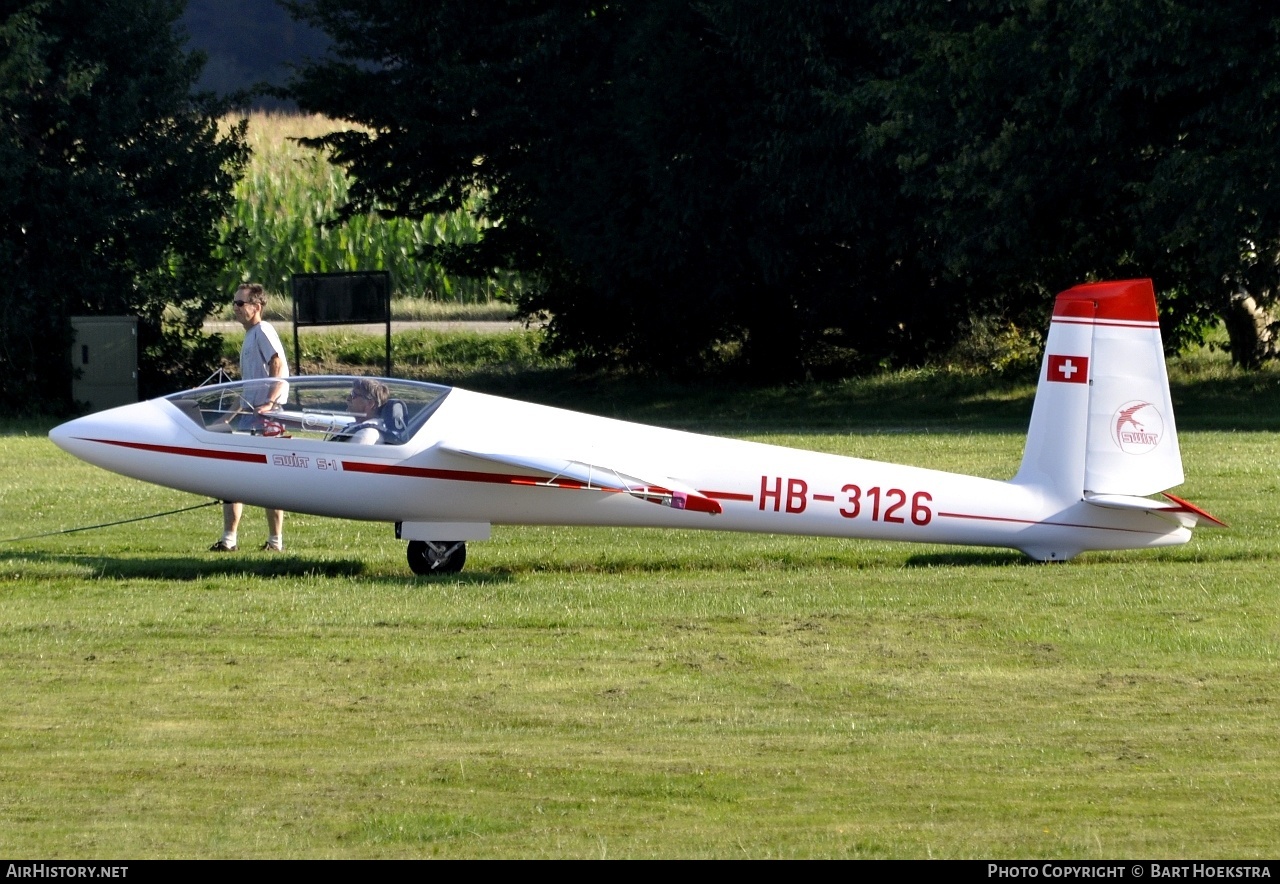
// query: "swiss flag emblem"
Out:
[1068,369]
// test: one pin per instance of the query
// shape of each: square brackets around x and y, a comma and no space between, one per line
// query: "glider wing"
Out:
[568,473]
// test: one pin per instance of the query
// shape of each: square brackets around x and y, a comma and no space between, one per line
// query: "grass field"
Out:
[601,693]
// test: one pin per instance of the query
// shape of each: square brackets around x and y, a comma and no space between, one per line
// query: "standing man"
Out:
[261,359]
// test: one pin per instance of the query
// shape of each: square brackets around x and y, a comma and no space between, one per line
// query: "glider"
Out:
[453,462]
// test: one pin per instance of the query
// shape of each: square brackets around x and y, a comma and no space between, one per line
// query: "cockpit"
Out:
[309,407]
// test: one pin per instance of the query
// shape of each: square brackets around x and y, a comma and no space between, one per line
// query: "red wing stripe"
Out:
[1187,506]
[356,466]
[187,452]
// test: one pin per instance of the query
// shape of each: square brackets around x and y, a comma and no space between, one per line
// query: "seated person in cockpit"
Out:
[365,400]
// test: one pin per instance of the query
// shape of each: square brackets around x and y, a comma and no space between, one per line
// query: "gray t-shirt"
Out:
[261,343]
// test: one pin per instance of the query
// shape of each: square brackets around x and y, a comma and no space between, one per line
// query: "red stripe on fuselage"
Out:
[730,495]
[242,456]
[512,479]
[1040,522]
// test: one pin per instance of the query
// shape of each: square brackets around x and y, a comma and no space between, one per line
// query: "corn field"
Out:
[289,194]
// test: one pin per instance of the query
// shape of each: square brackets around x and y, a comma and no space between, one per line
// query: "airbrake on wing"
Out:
[562,473]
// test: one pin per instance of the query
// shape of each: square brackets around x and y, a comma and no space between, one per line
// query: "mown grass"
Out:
[604,693]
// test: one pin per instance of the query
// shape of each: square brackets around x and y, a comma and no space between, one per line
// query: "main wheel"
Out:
[436,556]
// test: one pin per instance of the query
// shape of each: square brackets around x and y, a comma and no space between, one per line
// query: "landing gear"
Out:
[436,557]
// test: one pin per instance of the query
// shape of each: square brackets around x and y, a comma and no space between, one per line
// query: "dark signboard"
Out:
[355,298]
[341,298]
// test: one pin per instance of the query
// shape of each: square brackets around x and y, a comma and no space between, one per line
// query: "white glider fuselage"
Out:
[471,460]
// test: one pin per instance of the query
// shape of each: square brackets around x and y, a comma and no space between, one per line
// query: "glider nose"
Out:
[91,436]
[70,436]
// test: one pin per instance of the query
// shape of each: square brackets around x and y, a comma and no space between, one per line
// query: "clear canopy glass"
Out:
[314,407]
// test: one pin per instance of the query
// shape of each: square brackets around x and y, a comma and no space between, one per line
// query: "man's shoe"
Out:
[271,547]
[223,546]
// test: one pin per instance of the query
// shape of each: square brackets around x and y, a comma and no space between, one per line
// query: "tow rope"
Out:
[109,524]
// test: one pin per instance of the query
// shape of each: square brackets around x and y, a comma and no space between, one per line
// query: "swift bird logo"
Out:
[1126,417]
[1136,435]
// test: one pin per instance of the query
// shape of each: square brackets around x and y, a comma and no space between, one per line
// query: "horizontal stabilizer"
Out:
[1175,509]
[567,473]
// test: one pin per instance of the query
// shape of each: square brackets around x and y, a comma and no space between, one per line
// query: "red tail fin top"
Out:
[1128,300]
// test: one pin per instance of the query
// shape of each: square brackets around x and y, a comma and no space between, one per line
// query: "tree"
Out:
[1053,142]
[813,181]
[686,180]
[111,178]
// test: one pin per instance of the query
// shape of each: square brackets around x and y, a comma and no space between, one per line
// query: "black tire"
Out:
[439,557]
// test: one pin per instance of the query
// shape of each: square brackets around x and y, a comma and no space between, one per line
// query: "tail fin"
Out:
[1102,422]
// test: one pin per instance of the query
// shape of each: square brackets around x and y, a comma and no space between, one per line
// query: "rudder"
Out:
[1102,422]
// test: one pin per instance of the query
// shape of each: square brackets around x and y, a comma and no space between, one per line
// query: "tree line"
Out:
[784,189]
[796,183]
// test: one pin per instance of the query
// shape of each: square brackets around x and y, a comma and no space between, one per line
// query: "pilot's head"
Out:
[367,396]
